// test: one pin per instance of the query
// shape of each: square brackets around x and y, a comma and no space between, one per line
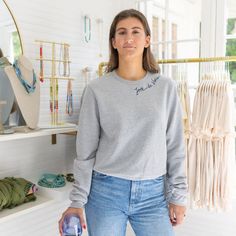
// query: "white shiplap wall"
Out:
[62,21]
[59,21]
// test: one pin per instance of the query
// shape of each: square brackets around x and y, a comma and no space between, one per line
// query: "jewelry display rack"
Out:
[54,77]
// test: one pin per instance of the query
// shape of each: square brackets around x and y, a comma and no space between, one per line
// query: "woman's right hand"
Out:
[77,211]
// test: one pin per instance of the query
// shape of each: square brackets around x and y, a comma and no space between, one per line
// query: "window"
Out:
[174,48]
[231,37]
[155,35]
[174,39]
[163,38]
[16,45]
[175,32]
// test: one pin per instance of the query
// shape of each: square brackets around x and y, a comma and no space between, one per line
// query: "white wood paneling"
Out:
[59,21]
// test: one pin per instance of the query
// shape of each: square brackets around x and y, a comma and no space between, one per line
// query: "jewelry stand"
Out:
[26,89]
[54,77]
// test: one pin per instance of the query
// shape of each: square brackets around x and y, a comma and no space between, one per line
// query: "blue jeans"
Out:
[114,201]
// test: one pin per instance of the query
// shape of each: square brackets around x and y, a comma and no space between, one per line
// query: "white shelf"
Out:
[37,133]
[56,193]
[45,197]
[41,201]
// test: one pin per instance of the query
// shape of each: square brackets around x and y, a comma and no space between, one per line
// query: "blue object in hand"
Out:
[71,226]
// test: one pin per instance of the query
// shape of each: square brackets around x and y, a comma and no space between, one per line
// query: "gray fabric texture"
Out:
[132,130]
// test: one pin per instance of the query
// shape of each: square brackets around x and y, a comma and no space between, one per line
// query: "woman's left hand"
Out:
[177,214]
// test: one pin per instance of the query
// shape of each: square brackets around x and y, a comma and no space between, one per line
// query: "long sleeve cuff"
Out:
[176,196]
[76,204]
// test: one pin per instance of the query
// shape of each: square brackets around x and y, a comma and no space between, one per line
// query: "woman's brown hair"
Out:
[149,63]
[1,53]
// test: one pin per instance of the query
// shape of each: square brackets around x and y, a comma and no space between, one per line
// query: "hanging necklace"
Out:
[66,61]
[87,34]
[41,63]
[52,181]
[28,87]
[65,58]
[69,99]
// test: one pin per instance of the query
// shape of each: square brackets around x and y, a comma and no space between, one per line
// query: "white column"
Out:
[213,25]
[221,23]
[150,13]
[208,28]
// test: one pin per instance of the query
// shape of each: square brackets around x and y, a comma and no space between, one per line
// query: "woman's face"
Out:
[130,38]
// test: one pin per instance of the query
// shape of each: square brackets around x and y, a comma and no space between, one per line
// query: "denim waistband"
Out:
[102,175]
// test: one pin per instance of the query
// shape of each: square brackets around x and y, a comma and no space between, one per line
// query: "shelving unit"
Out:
[38,133]
[8,214]
[45,196]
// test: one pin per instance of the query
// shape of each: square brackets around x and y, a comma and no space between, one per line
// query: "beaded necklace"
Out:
[87,29]
[69,99]
[28,87]
[52,181]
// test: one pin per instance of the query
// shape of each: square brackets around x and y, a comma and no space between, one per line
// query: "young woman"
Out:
[130,148]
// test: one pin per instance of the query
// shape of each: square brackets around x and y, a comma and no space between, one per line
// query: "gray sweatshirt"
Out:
[132,130]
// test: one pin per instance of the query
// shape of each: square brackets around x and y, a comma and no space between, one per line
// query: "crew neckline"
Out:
[131,82]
